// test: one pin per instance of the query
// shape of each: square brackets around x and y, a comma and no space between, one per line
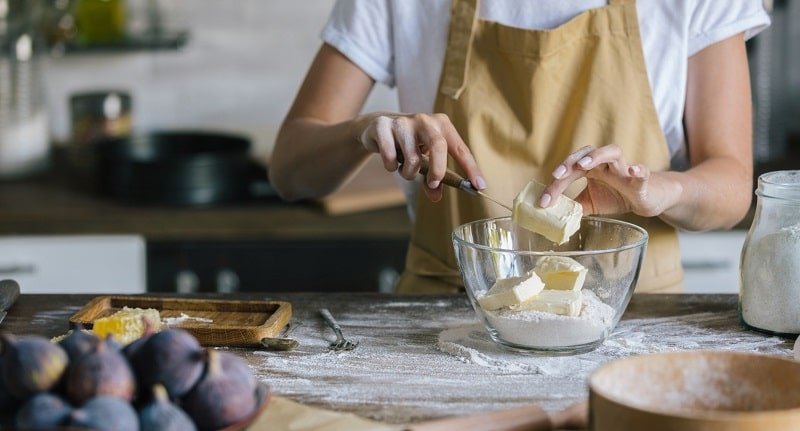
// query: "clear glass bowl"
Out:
[611,250]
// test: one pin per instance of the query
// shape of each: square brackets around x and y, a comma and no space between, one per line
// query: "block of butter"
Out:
[560,273]
[511,291]
[556,223]
[563,302]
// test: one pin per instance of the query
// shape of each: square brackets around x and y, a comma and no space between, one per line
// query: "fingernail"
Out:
[560,171]
[481,182]
[545,200]
[584,162]
[634,170]
[433,184]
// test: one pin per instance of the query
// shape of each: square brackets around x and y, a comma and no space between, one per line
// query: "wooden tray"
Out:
[234,323]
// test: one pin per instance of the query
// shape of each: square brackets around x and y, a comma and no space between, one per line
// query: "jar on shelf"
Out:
[24,137]
[769,295]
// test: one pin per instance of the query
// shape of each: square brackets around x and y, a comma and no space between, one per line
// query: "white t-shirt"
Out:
[402,42]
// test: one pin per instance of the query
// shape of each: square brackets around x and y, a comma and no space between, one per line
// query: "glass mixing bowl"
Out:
[611,250]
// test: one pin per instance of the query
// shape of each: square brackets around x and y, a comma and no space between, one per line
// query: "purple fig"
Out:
[130,350]
[103,371]
[104,413]
[161,415]
[78,343]
[43,412]
[31,364]
[224,395]
[173,358]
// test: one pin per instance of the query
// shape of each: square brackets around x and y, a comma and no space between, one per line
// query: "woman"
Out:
[641,108]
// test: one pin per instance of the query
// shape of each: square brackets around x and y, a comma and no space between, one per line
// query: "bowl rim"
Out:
[638,243]
[687,414]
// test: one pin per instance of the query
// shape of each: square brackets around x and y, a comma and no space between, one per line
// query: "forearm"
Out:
[714,194]
[313,158]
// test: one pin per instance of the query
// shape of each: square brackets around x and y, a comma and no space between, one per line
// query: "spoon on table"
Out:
[529,418]
[282,343]
[453,179]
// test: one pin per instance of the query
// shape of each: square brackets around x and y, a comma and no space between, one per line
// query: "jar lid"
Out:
[780,185]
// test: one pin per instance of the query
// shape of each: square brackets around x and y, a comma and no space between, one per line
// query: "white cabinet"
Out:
[75,264]
[711,261]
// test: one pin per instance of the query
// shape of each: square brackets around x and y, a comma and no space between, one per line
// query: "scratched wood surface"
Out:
[400,373]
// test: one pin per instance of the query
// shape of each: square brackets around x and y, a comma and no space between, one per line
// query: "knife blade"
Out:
[9,292]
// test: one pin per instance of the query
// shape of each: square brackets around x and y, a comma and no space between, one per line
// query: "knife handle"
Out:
[451,178]
[9,292]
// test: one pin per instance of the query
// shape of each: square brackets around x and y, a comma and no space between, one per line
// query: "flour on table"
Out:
[471,344]
[170,321]
[541,329]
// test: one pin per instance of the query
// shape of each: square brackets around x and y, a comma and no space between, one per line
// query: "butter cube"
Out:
[511,291]
[556,223]
[560,273]
[563,302]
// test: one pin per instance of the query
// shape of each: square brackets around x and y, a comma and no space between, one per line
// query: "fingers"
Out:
[435,195]
[383,140]
[436,146]
[461,153]
[411,136]
[405,139]
[579,164]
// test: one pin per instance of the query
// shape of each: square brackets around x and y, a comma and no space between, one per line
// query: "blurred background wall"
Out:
[239,70]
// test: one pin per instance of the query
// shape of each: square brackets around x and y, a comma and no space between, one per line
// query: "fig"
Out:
[103,371]
[104,413]
[31,364]
[78,343]
[224,395]
[173,358]
[43,412]
[130,350]
[161,415]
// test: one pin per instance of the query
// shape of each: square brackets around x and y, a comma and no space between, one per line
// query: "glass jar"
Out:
[769,294]
[100,21]
[24,140]
[99,114]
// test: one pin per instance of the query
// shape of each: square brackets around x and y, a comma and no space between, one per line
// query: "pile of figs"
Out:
[162,381]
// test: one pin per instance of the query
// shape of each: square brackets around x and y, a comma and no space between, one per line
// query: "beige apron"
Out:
[523,100]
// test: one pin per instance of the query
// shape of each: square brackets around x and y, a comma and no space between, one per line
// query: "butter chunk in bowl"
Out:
[587,281]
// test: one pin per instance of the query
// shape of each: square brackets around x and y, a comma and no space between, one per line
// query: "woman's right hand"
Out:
[415,136]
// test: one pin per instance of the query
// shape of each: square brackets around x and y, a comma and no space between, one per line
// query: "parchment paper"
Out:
[283,414]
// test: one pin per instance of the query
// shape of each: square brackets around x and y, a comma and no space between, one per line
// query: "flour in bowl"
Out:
[542,329]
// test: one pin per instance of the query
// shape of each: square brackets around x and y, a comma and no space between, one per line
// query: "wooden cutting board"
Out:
[232,323]
[371,188]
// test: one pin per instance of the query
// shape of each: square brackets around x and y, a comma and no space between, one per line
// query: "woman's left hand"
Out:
[613,186]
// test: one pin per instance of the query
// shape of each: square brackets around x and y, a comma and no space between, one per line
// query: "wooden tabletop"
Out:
[425,357]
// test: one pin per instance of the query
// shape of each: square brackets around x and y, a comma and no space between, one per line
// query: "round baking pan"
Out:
[176,168]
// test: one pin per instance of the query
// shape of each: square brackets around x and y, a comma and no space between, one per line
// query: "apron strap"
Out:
[620,2]
[463,16]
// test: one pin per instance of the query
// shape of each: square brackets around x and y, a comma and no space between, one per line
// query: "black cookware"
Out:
[178,168]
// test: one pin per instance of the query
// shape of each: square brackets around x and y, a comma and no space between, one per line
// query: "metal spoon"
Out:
[282,343]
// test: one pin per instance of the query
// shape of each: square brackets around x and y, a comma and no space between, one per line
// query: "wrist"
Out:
[670,192]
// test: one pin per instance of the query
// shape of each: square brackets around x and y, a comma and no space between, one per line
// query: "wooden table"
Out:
[422,357]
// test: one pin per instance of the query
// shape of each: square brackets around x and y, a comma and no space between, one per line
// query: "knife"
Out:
[9,292]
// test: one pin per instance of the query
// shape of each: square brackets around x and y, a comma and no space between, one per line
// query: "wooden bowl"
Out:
[696,391]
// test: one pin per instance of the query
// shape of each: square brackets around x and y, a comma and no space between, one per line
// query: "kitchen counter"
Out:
[55,205]
[423,357]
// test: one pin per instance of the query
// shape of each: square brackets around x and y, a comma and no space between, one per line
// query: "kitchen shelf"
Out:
[163,41]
